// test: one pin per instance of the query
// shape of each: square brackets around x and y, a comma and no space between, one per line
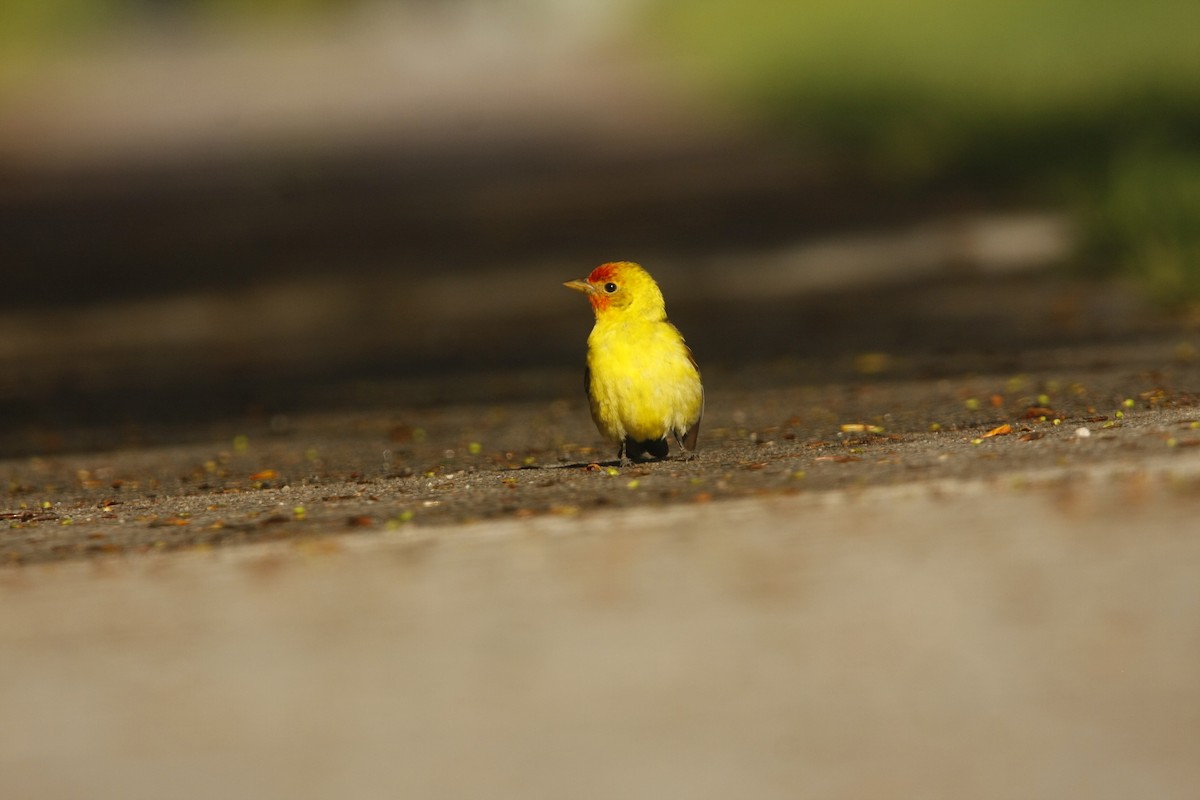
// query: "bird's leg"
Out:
[686,454]
[623,459]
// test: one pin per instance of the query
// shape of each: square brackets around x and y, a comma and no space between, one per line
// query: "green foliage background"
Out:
[1092,104]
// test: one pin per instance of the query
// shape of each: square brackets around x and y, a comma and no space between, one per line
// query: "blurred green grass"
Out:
[1093,105]
[1144,222]
[35,32]
[35,28]
[31,27]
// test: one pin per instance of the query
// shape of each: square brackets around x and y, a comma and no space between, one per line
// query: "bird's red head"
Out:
[602,273]
[621,287]
[600,277]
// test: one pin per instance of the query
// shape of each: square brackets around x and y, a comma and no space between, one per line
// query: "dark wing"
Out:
[692,435]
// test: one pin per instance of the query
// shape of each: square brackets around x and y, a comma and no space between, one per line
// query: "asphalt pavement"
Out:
[967,572]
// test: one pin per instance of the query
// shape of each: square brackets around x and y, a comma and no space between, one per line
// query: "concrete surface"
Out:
[948,641]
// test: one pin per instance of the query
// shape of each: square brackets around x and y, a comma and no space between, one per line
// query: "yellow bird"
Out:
[641,380]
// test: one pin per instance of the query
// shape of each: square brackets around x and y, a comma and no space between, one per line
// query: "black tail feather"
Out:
[654,448]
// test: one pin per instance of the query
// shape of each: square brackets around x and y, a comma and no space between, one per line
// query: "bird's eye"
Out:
[610,287]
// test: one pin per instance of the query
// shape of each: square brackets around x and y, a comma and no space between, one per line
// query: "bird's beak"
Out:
[581,286]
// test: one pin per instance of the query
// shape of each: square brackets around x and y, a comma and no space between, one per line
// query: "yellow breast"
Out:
[643,382]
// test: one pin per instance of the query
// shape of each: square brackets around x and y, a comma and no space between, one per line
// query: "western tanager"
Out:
[642,382]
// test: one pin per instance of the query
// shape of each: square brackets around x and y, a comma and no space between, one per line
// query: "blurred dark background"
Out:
[212,209]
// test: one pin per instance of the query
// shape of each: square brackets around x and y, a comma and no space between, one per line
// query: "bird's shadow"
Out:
[617,463]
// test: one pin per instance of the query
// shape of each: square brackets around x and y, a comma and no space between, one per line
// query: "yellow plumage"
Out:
[641,379]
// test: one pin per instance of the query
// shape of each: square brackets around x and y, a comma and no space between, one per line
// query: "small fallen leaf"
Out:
[265,475]
[861,427]
[999,430]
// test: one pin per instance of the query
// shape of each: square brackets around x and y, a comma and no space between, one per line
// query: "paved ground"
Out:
[454,599]
[1075,395]
[943,639]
